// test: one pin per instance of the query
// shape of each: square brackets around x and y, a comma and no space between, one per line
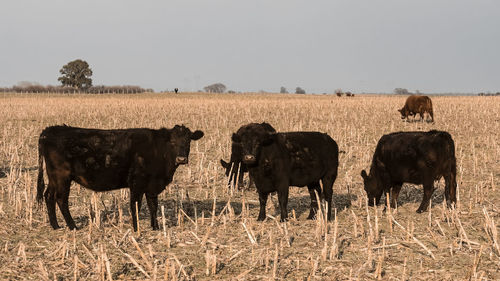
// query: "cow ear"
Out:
[400,110]
[197,135]
[267,126]
[235,138]
[380,164]
[224,164]
[364,175]
[269,139]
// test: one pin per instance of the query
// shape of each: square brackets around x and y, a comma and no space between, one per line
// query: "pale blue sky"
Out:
[362,46]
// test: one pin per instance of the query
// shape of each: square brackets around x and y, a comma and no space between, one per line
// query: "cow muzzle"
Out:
[181,160]
[249,159]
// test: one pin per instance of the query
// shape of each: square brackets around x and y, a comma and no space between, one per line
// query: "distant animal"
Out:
[417,105]
[176,90]
[235,168]
[276,161]
[412,157]
[143,160]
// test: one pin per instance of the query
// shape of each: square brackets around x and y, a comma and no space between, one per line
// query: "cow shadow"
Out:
[195,209]
[302,204]
[414,193]
[198,208]
[415,120]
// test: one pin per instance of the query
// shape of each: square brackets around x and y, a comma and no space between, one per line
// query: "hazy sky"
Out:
[371,46]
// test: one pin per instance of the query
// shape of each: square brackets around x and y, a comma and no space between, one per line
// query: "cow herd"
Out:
[145,160]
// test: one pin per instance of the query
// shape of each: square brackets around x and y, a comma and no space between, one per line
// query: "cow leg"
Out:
[395,194]
[328,191]
[283,200]
[240,176]
[62,196]
[428,189]
[450,190]
[262,200]
[152,201]
[135,196]
[50,201]
[313,188]
[232,177]
[251,183]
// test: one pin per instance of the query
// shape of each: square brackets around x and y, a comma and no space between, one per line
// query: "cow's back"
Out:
[407,155]
[311,154]
[418,104]
[98,159]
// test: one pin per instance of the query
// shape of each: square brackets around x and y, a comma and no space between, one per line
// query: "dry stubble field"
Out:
[212,233]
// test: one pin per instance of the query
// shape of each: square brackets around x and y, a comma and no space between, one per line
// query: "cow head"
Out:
[252,139]
[404,112]
[372,187]
[180,138]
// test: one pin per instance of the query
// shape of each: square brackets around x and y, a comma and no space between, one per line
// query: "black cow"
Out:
[413,157]
[235,168]
[142,159]
[276,161]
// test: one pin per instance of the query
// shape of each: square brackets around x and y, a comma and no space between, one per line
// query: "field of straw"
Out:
[209,232]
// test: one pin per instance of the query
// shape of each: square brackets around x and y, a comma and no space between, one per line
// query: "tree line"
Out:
[75,78]
[27,87]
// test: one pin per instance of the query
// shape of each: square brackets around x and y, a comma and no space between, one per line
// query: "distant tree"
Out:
[231,92]
[339,92]
[283,90]
[76,74]
[299,90]
[215,88]
[176,90]
[401,91]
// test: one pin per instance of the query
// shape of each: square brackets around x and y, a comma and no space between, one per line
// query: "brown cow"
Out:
[417,105]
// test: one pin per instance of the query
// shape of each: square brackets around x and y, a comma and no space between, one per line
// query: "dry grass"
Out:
[211,234]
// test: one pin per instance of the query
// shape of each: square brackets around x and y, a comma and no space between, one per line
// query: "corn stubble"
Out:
[210,232]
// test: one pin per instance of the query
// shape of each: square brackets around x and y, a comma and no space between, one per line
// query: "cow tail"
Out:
[40,183]
[429,106]
[454,159]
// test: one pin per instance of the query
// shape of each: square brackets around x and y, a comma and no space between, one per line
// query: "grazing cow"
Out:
[236,168]
[417,105]
[143,160]
[276,161]
[412,157]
